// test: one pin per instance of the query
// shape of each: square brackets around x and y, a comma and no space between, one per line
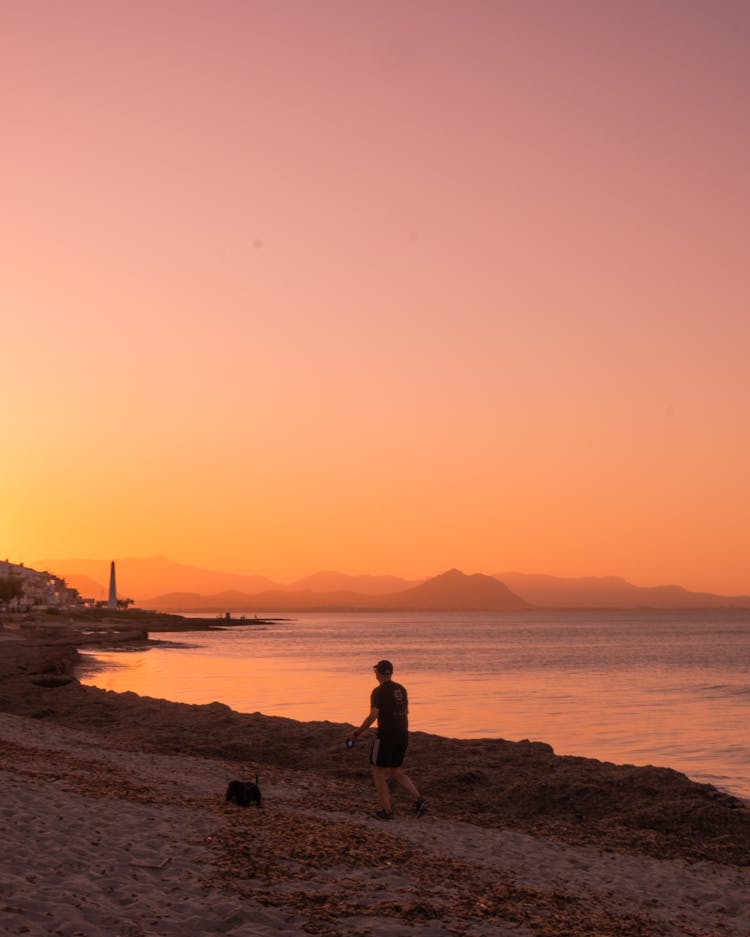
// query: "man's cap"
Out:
[384,667]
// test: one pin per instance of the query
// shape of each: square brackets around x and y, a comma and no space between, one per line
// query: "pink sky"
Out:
[383,287]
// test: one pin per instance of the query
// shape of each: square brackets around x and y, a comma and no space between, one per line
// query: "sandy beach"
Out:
[113,822]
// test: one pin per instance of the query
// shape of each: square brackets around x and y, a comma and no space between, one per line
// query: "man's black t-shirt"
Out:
[392,703]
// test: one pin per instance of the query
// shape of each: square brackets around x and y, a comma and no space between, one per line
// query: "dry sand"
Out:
[113,822]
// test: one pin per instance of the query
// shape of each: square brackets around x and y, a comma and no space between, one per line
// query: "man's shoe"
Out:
[420,806]
[384,815]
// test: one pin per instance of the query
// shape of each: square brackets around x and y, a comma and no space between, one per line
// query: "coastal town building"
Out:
[35,588]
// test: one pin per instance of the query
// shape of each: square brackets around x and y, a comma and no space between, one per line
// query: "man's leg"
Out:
[405,781]
[380,777]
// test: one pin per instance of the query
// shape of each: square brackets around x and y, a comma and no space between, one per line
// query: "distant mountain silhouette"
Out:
[455,591]
[337,582]
[141,577]
[87,587]
[276,600]
[610,592]
[451,591]
[159,583]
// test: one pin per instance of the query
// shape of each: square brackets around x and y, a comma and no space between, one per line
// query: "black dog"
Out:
[243,793]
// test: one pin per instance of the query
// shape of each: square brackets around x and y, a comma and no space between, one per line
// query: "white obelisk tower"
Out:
[112,603]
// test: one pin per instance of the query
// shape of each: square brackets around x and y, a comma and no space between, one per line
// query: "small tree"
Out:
[11,587]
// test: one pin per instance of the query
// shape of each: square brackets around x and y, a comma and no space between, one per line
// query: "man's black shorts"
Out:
[389,753]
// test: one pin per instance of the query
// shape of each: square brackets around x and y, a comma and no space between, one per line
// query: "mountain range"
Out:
[611,592]
[451,591]
[141,578]
[161,584]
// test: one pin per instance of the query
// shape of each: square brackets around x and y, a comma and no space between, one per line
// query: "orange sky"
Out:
[384,287]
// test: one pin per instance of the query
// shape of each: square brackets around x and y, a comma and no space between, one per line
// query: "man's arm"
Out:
[367,722]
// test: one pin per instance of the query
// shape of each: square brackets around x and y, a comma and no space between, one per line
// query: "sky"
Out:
[380,287]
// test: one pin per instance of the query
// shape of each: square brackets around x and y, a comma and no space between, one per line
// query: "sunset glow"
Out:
[388,287]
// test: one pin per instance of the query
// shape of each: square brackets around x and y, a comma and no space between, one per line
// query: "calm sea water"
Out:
[669,689]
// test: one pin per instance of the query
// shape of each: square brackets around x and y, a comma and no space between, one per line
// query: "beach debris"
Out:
[151,865]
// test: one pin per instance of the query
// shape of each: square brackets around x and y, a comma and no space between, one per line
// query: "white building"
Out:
[39,588]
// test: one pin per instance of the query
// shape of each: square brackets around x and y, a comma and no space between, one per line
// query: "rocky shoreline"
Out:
[492,790]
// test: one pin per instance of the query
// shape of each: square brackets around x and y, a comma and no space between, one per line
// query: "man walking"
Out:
[389,705]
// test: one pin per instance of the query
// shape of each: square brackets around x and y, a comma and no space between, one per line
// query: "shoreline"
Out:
[96,630]
[667,721]
[512,825]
